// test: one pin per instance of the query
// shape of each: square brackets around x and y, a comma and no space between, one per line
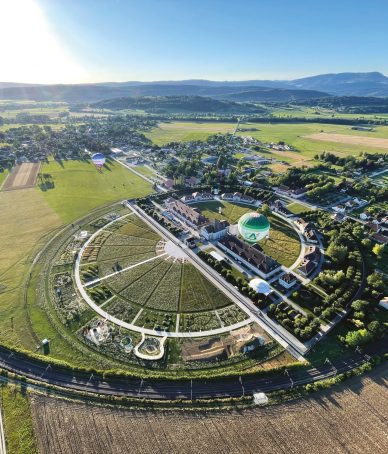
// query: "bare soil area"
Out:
[350,418]
[22,176]
[376,142]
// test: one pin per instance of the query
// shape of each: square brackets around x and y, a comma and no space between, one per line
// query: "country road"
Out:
[222,387]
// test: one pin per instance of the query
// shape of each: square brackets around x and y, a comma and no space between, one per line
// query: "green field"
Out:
[3,176]
[146,171]
[292,133]
[283,243]
[79,187]
[297,208]
[18,427]
[30,214]
[187,130]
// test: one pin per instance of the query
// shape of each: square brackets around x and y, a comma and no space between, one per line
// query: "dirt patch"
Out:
[22,176]
[349,418]
[375,142]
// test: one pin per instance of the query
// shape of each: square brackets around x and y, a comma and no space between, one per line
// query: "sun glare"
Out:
[30,50]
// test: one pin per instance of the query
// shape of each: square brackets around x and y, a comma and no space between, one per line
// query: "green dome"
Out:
[253,227]
[254,221]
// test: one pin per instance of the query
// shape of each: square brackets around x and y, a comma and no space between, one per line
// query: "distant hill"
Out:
[346,84]
[266,94]
[177,104]
[342,84]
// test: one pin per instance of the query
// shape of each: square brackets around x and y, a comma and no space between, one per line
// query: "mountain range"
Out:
[307,88]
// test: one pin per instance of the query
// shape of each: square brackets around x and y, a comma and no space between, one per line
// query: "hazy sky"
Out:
[51,41]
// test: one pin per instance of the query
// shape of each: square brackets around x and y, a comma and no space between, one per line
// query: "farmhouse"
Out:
[250,256]
[188,215]
[215,230]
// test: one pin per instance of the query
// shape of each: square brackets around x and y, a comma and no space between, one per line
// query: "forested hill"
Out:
[161,104]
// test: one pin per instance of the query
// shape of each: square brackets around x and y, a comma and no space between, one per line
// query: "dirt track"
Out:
[376,142]
[351,418]
[22,176]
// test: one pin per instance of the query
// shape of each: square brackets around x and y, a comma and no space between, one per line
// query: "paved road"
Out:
[179,389]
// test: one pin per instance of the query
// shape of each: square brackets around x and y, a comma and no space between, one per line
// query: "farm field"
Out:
[22,176]
[18,427]
[295,134]
[79,187]
[283,244]
[351,414]
[375,142]
[187,130]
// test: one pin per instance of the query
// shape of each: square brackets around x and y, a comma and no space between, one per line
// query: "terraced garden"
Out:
[125,270]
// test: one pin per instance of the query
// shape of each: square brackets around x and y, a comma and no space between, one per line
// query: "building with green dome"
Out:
[253,227]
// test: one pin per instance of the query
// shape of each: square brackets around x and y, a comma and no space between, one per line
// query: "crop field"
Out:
[22,176]
[374,142]
[283,243]
[350,417]
[79,187]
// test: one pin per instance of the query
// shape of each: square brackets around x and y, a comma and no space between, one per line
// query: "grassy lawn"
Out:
[79,187]
[25,218]
[146,171]
[297,208]
[186,131]
[283,244]
[18,427]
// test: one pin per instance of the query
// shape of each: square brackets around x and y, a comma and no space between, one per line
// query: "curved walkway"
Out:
[130,326]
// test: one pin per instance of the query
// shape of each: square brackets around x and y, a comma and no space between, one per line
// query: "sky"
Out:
[73,41]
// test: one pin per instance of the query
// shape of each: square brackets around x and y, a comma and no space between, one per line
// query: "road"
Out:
[2,437]
[222,387]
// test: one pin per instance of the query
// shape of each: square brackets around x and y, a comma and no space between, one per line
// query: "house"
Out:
[306,267]
[237,197]
[338,217]
[311,236]
[287,280]
[215,230]
[364,216]
[303,225]
[192,181]
[202,196]
[190,241]
[250,256]
[169,184]
[279,207]
[298,193]
[313,253]
[380,238]
[190,216]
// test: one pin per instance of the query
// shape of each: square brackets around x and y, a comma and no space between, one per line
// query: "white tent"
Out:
[260,286]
